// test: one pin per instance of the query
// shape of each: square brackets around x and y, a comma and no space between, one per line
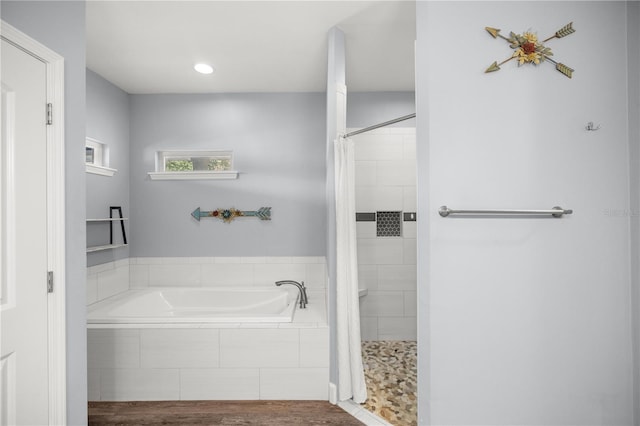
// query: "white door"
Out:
[23,236]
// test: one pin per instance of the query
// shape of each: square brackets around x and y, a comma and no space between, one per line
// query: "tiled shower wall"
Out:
[386,181]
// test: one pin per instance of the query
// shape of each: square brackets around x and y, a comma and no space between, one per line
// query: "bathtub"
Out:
[188,305]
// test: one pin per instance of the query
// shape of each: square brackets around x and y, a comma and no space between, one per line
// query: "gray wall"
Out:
[108,122]
[365,109]
[525,321]
[60,26]
[633,48]
[278,146]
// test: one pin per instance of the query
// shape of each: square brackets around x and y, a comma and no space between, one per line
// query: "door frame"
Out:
[56,251]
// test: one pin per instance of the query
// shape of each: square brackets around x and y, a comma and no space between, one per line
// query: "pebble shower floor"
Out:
[390,369]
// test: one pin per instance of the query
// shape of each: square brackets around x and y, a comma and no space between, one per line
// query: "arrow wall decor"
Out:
[227,215]
[527,48]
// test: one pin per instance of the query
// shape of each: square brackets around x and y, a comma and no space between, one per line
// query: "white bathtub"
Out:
[195,305]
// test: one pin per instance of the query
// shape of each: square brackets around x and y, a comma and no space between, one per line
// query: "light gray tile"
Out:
[174,260]
[380,251]
[373,147]
[227,274]
[92,288]
[409,147]
[397,173]
[138,275]
[179,348]
[113,348]
[316,275]
[101,267]
[410,304]
[409,203]
[148,260]
[202,260]
[183,274]
[369,328]
[403,328]
[366,229]
[382,304]
[253,260]
[308,259]
[278,259]
[380,197]
[314,347]
[410,251]
[365,173]
[253,348]
[397,277]
[226,260]
[220,384]
[409,229]
[270,273]
[368,277]
[122,262]
[294,383]
[139,384]
[113,281]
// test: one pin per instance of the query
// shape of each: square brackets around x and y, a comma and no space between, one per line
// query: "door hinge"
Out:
[49,114]
[50,282]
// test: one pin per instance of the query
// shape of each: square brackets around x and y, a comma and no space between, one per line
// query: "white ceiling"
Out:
[254,46]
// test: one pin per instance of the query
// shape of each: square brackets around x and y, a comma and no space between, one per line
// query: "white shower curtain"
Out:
[350,371]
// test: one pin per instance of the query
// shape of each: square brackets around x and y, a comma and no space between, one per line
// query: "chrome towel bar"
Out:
[555,212]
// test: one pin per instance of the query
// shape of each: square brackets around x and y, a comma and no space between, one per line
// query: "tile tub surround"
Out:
[112,278]
[213,361]
[106,280]
[385,161]
[226,271]
[210,361]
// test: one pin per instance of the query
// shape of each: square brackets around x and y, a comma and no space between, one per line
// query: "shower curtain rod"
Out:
[377,126]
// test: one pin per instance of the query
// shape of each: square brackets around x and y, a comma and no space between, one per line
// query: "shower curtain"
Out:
[351,381]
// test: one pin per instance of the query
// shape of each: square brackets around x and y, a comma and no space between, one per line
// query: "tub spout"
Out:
[303,291]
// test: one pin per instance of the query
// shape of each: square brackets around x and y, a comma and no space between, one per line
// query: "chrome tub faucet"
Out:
[303,291]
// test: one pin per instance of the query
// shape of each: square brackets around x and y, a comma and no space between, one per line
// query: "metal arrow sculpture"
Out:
[529,50]
[227,215]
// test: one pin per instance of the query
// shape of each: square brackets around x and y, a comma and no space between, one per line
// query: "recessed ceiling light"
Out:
[203,68]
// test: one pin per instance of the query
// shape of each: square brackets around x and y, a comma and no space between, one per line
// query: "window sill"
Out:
[231,174]
[99,170]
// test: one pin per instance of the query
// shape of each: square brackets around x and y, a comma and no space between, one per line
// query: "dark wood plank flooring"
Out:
[263,413]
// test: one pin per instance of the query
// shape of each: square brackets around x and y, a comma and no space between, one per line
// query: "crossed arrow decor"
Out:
[529,50]
[227,215]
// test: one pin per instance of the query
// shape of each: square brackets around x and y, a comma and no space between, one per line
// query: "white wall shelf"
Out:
[190,175]
[105,247]
[110,220]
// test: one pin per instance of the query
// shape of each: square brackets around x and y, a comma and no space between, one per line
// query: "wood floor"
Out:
[263,413]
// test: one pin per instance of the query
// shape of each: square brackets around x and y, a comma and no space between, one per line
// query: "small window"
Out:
[201,161]
[96,153]
[172,165]
[97,158]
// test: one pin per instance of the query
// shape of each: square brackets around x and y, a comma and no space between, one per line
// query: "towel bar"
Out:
[555,212]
